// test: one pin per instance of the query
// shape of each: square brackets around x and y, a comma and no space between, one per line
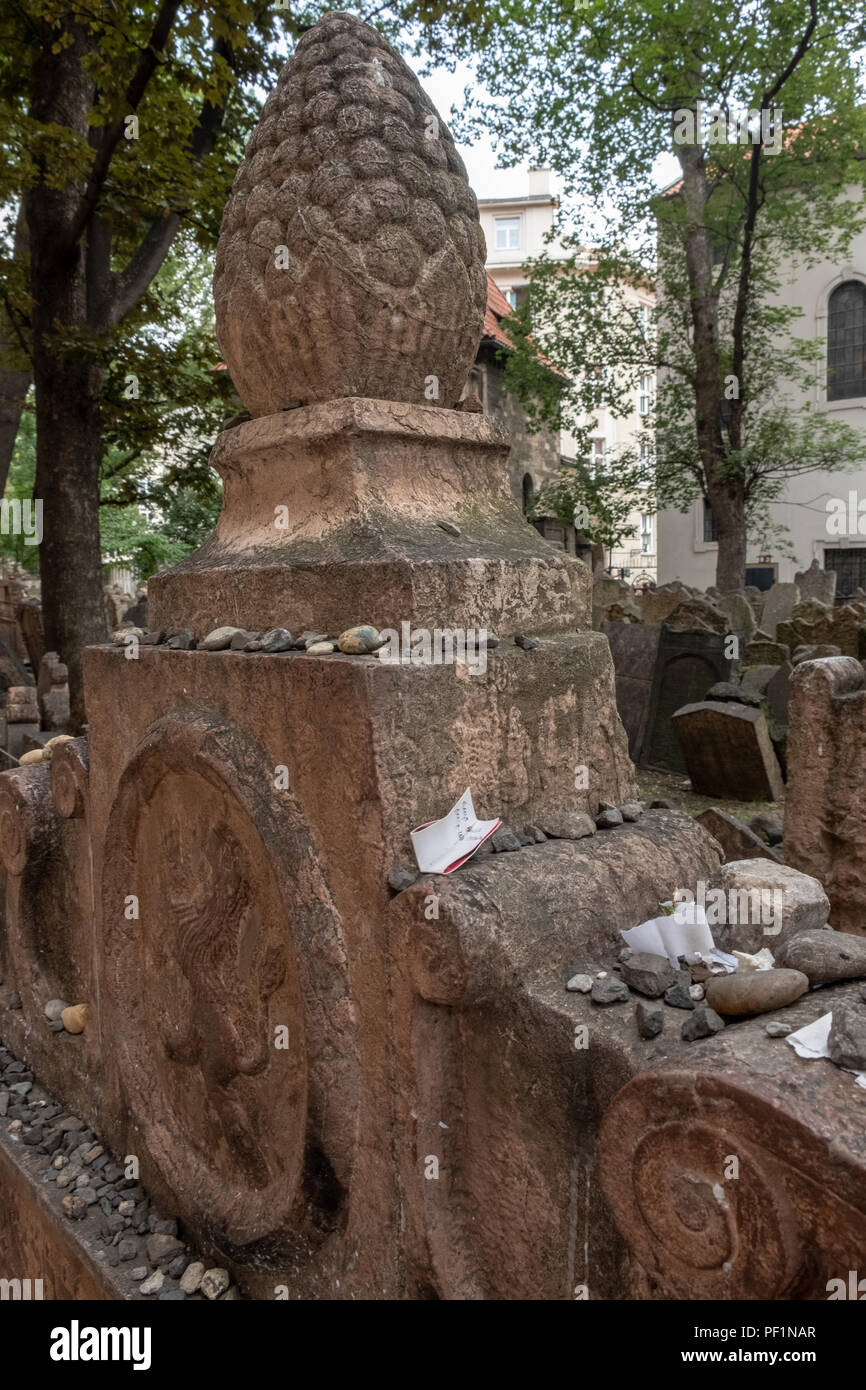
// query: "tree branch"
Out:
[149,60]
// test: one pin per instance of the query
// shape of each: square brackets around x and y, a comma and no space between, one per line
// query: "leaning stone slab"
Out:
[735,838]
[825,955]
[739,612]
[817,583]
[781,601]
[778,692]
[764,904]
[728,751]
[763,651]
[757,678]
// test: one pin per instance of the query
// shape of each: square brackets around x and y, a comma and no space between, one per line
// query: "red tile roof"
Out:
[497,308]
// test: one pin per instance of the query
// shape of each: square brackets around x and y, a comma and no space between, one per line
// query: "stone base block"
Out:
[331,517]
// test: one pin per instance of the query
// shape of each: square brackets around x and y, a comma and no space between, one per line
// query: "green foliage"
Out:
[597,91]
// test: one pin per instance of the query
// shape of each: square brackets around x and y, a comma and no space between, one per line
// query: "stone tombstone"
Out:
[755,679]
[817,625]
[778,607]
[658,604]
[739,612]
[728,751]
[825,806]
[12,672]
[818,583]
[53,692]
[736,839]
[778,692]
[607,590]
[30,621]
[22,717]
[696,614]
[687,664]
[634,648]
[763,651]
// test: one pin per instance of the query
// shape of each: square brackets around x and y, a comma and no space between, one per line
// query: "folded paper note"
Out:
[441,846]
[666,936]
[812,1041]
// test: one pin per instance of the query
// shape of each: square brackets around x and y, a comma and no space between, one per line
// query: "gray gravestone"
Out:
[728,751]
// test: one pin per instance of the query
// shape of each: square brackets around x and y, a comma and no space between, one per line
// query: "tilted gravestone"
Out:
[728,751]
[634,648]
[687,665]
[818,583]
[779,604]
[736,839]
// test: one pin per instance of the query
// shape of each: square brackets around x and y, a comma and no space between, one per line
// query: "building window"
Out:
[511,296]
[644,319]
[646,534]
[596,455]
[846,342]
[645,396]
[850,567]
[711,526]
[528,491]
[507,233]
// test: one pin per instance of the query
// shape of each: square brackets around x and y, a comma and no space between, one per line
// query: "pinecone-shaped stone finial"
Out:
[350,259]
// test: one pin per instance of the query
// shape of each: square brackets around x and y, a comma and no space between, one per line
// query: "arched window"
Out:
[846,341]
[528,491]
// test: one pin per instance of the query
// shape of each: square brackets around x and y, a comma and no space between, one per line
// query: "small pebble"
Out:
[777,1029]
[703,1023]
[400,879]
[359,641]
[154,1283]
[504,840]
[276,639]
[579,984]
[320,649]
[75,1018]
[650,1018]
[192,1276]
[609,991]
[218,640]
[214,1282]
[183,641]
[54,1008]
[527,643]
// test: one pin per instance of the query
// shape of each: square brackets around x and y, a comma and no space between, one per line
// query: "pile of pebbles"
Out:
[115,1216]
[711,992]
[657,987]
[561,825]
[362,640]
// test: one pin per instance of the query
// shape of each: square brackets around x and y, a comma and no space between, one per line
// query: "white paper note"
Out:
[665,936]
[441,846]
[812,1041]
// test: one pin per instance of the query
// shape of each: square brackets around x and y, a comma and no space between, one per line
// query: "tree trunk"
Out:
[68,434]
[729,511]
[68,451]
[16,375]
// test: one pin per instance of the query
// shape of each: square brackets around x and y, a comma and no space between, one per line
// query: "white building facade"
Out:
[516,230]
[832,298]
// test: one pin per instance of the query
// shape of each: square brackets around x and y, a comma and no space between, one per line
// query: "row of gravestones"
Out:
[673,646]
